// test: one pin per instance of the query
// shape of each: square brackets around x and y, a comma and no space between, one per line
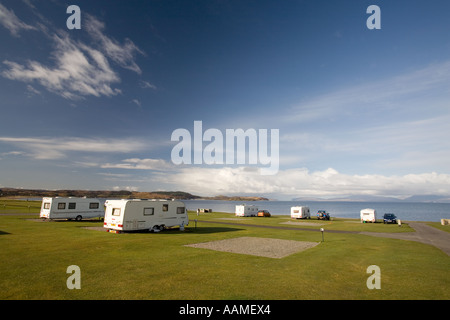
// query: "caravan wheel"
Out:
[157,228]
[79,218]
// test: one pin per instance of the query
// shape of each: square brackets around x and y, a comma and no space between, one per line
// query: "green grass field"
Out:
[35,256]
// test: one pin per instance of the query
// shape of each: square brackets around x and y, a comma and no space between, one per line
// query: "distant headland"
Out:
[123,194]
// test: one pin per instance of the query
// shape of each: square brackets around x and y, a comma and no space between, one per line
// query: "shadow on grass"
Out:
[3,233]
[206,230]
[199,230]
[67,220]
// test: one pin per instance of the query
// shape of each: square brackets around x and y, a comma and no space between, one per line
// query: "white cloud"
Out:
[301,182]
[127,188]
[9,20]
[58,148]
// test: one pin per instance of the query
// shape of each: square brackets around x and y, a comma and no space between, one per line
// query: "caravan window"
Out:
[61,205]
[93,205]
[116,212]
[165,207]
[72,205]
[180,210]
[149,211]
[47,205]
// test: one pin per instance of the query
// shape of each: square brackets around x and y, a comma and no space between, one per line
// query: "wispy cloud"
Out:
[32,91]
[122,54]
[58,148]
[377,97]
[140,164]
[10,21]
[80,69]
[136,102]
[396,124]
[147,85]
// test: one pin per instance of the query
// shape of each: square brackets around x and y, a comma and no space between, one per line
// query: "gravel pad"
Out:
[264,247]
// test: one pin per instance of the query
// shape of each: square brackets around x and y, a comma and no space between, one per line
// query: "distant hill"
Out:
[428,198]
[357,198]
[122,194]
[236,198]
[368,198]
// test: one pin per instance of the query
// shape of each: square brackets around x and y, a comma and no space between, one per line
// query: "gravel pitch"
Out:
[264,247]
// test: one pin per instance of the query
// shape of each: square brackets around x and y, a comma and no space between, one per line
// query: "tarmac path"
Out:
[423,233]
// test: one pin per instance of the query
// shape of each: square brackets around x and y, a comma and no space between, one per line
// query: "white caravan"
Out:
[300,213]
[143,214]
[368,215]
[246,211]
[71,208]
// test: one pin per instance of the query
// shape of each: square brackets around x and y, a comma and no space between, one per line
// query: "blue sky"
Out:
[359,111]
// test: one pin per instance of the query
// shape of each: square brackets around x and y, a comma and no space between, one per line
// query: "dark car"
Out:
[389,218]
[323,215]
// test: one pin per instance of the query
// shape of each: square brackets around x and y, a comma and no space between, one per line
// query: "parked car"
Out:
[389,218]
[323,215]
[263,213]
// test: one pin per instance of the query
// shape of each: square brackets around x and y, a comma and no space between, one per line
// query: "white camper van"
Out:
[71,208]
[300,213]
[144,214]
[368,215]
[246,211]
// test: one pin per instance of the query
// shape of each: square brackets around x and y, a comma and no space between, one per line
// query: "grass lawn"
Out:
[36,254]
[19,206]
[313,224]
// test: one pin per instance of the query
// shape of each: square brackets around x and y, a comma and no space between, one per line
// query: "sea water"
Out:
[406,211]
